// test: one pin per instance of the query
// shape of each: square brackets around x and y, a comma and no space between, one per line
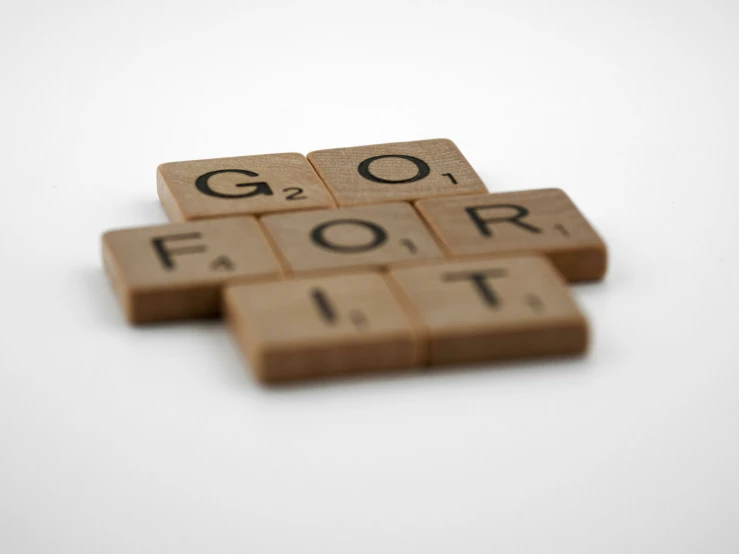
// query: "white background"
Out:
[151,440]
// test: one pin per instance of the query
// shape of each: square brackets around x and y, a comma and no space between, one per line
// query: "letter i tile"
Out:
[318,326]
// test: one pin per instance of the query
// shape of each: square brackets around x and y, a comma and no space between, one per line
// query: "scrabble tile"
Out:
[473,311]
[176,271]
[202,189]
[396,171]
[308,327]
[365,236]
[535,221]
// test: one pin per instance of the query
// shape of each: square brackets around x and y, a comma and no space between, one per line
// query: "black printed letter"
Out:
[379,236]
[259,188]
[483,224]
[423,169]
[165,256]
[324,306]
[479,280]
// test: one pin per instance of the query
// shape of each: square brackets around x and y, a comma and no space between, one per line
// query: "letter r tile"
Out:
[176,271]
[202,189]
[534,221]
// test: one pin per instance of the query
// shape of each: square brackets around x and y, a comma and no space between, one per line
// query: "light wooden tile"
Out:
[202,189]
[320,326]
[536,221]
[473,311]
[176,271]
[365,236]
[396,171]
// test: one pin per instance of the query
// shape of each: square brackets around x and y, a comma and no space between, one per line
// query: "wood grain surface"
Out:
[202,189]
[474,311]
[364,236]
[319,326]
[176,271]
[535,221]
[396,171]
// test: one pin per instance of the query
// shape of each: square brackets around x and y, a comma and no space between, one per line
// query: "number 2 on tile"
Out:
[296,193]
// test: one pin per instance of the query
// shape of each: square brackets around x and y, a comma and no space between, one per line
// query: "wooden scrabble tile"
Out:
[202,189]
[534,221]
[319,326]
[176,271]
[472,311]
[365,236]
[396,171]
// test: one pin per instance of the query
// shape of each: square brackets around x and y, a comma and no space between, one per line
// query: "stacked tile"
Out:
[360,259]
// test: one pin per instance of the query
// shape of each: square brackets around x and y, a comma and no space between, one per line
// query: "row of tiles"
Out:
[257,185]
[433,314]
[154,268]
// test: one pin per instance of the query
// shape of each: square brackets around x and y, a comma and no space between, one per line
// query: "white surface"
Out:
[122,440]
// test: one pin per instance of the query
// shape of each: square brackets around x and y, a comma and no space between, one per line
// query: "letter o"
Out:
[423,169]
[379,238]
